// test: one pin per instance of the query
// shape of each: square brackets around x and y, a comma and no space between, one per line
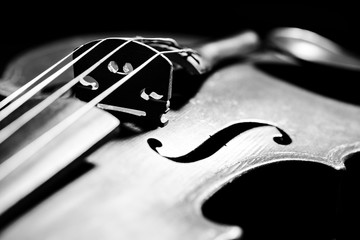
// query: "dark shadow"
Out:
[331,82]
[349,204]
[286,200]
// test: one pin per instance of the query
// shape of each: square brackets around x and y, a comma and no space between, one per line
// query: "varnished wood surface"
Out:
[26,169]
[135,193]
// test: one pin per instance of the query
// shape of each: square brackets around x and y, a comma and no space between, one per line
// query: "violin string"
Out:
[27,116]
[16,93]
[21,100]
[16,160]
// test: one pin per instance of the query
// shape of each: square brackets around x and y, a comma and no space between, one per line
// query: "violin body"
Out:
[152,184]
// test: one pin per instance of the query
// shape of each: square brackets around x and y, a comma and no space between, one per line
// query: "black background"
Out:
[25,26]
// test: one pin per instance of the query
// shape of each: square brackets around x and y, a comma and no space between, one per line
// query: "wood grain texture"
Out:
[135,193]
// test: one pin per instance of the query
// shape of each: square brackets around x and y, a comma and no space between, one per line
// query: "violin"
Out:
[152,137]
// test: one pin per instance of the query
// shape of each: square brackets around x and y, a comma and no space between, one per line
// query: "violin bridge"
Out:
[145,64]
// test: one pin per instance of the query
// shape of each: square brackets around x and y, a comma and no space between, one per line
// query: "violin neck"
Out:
[234,47]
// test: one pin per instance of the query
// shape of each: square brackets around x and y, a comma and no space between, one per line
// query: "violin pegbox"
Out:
[145,65]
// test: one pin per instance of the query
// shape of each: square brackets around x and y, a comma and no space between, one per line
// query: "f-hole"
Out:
[285,200]
[219,139]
